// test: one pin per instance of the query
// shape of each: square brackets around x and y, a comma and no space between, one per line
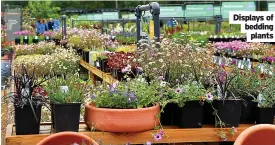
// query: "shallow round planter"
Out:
[121,120]
[67,138]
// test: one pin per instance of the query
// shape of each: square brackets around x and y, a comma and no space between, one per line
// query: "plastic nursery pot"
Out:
[208,117]
[170,114]
[248,109]
[66,117]
[191,115]
[25,122]
[265,115]
[67,138]
[25,40]
[229,112]
[17,40]
[34,40]
[121,120]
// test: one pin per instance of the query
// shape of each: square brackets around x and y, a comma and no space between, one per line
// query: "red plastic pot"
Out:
[67,138]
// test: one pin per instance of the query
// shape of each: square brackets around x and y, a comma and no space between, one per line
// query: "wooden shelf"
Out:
[108,78]
[173,134]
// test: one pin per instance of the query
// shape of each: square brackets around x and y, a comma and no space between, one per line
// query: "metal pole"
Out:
[138,15]
[72,23]
[102,23]
[64,27]
[123,31]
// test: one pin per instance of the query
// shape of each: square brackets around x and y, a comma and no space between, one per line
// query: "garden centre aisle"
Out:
[146,74]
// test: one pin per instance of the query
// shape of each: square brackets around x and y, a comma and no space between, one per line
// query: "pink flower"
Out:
[157,137]
[178,90]
[233,62]
[222,65]
[209,96]
[235,129]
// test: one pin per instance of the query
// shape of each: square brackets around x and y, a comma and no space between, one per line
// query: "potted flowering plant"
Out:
[28,98]
[190,98]
[66,96]
[120,60]
[17,34]
[129,106]
[228,116]
[266,101]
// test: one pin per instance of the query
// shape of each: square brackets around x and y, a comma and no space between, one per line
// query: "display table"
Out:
[173,135]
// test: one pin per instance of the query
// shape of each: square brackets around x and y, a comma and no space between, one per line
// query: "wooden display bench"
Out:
[172,135]
[106,77]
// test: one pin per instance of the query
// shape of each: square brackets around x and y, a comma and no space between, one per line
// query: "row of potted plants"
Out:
[28,37]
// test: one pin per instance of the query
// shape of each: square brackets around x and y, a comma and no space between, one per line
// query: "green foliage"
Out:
[40,48]
[134,93]
[126,40]
[189,91]
[72,92]
[42,9]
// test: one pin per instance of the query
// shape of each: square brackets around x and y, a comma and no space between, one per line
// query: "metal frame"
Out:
[64,27]
[154,9]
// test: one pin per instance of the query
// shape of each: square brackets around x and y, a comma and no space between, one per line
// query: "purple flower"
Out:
[209,96]
[127,143]
[264,59]
[157,137]
[132,96]
[253,70]
[148,143]
[222,76]
[234,62]
[93,96]
[222,65]
[161,132]
[270,58]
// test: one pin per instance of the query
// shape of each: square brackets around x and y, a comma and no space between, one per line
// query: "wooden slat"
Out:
[173,135]
[105,77]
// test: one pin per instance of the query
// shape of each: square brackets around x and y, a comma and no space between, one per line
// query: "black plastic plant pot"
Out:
[25,122]
[83,55]
[265,115]
[66,117]
[191,115]
[79,51]
[34,40]
[86,54]
[103,64]
[52,116]
[170,114]
[229,111]
[17,40]
[25,40]
[248,110]
[208,117]
[47,38]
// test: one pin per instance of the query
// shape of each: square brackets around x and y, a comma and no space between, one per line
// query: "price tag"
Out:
[36,37]
[47,37]
[215,36]
[220,61]
[239,63]
[220,36]
[211,36]
[26,37]
[225,36]
[64,89]
[97,64]
[260,98]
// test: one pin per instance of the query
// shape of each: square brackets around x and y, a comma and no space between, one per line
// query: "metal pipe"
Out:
[63,26]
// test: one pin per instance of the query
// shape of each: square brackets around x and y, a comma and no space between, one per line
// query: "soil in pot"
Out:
[191,115]
[265,115]
[229,111]
[248,109]
[66,117]
[170,114]
[25,122]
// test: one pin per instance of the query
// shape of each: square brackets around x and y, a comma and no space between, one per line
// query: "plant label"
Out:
[220,60]
[64,89]
[47,37]
[97,64]
[36,37]
[25,37]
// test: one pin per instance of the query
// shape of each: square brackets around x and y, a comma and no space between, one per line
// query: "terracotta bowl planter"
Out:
[67,138]
[121,120]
